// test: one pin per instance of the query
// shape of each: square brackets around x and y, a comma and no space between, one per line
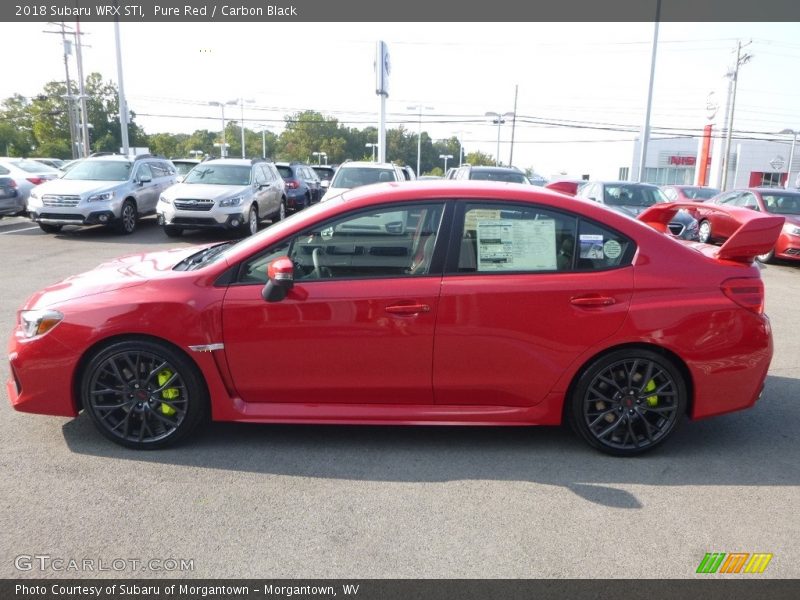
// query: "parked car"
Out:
[109,190]
[56,163]
[507,174]
[428,322]
[26,174]
[716,226]
[357,173]
[634,198]
[687,193]
[183,166]
[451,173]
[408,173]
[10,202]
[302,185]
[325,174]
[565,186]
[224,193]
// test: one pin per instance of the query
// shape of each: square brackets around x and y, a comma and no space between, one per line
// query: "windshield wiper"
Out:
[197,260]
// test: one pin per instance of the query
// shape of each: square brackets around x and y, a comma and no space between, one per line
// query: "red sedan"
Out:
[445,302]
[718,226]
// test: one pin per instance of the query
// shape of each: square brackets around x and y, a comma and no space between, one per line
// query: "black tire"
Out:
[126,224]
[173,231]
[250,225]
[766,258]
[143,394]
[704,232]
[281,214]
[628,401]
[50,228]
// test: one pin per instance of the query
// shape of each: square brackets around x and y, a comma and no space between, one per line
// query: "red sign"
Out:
[688,161]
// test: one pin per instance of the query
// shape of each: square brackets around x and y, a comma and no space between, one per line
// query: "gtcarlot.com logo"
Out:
[46,562]
[734,562]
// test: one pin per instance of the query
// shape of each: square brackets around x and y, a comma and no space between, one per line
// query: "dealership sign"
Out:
[683,161]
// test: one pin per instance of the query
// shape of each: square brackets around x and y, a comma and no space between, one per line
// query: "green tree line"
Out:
[39,126]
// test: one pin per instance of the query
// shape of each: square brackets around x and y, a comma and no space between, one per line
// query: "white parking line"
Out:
[16,230]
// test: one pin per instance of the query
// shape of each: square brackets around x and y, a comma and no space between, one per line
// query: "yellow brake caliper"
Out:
[651,400]
[167,393]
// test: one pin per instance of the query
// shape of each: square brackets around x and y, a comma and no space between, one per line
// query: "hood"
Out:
[76,187]
[204,191]
[791,219]
[126,271]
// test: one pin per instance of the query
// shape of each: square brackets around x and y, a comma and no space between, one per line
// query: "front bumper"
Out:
[218,218]
[788,246]
[98,217]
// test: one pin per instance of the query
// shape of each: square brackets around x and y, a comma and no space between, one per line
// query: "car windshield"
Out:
[182,168]
[782,204]
[507,176]
[323,172]
[700,193]
[630,195]
[351,177]
[219,175]
[33,166]
[100,170]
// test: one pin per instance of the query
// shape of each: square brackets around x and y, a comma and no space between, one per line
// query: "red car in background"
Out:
[565,186]
[451,302]
[718,226]
[688,193]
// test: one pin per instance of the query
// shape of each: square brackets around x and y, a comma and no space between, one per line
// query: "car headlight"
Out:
[100,197]
[164,199]
[231,201]
[791,229]
[35,323]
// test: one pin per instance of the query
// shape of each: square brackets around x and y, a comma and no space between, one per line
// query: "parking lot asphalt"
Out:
[285,501]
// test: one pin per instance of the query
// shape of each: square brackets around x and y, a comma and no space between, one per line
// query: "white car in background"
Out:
[354,174]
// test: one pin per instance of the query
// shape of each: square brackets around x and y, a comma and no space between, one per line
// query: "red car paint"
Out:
[477,348]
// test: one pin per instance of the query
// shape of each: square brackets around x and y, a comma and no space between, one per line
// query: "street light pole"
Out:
[241,101]
[223,145]
[498,119]
[373,146]
[419,131]
[445,157]
[793,133]
[460,148]
[319,156]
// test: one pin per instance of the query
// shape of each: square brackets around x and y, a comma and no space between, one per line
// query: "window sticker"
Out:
[516,245]
[591,245]
[612,248]
[479,214]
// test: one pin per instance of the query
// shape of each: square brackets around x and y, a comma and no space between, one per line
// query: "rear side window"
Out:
[286,172]
[508,238]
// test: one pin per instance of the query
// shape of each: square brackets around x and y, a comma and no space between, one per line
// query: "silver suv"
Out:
[104,190]
[224,193]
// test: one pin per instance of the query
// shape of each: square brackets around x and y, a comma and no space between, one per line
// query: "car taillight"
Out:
[746,292]
[11,183]
[292,184]
[36,180]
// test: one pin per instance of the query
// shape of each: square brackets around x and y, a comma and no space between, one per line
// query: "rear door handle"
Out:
[408,309]
[592,301]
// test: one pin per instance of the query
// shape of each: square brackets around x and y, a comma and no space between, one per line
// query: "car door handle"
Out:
[408,309]
[592,301]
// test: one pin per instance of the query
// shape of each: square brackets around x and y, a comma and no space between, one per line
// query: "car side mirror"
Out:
[280,279]
[326,183]
[145,179]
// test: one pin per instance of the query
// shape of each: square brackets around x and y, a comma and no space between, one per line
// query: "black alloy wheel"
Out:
[628,401]
[143,394]
[127,218]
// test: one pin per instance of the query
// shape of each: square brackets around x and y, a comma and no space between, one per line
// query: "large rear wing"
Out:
[756,234]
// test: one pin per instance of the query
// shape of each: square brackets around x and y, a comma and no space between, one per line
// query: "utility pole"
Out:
[123,103]
[67,45]
[644,138]
[734,75]
[84,124]
[513,127]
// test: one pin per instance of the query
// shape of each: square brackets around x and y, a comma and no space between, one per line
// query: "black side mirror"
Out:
[280,279]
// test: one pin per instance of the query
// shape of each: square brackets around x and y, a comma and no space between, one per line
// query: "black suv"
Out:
[302,185]
[508,174]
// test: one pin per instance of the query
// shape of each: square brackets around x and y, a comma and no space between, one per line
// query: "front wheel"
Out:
[143,394]
[251,224]
[628,401]
[127,218]
[282,211]
[704,232]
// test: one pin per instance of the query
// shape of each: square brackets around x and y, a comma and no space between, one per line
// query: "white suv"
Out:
[104,190]
[355,174]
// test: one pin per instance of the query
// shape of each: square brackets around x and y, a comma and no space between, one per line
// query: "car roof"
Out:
[239,162]
[367,164]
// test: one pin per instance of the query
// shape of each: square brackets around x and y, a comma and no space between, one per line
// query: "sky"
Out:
[582,87]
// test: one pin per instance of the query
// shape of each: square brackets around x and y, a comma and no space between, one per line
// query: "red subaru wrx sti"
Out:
[446,302]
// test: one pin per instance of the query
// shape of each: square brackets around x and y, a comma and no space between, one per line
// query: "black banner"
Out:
[401,589]
[407,10]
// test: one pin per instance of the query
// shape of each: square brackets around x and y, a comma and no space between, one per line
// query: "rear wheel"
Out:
[49,228]
[628,401]
[127,218]
[704,232]
[143,394]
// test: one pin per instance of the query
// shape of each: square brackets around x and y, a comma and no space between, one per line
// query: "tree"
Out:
[478,158]
[309,131]
[16,127]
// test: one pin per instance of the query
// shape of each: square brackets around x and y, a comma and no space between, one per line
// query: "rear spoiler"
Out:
[756,235]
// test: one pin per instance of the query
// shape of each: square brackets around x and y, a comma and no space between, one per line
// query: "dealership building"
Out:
[696,161]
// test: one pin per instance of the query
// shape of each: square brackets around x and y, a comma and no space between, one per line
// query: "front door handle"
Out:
[592,301]
[408,309]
